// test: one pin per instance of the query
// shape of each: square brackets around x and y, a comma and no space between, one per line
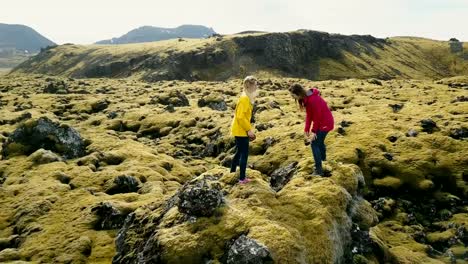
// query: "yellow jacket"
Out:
[241,122]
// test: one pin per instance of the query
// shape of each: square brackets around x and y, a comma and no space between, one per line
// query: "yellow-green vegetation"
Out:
[50,206]
[4,71]
[293,54]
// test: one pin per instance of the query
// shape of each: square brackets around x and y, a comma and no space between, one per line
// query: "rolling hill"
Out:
[305,54]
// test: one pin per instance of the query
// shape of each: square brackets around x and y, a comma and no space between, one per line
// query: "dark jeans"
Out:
[240,158]
[319,150]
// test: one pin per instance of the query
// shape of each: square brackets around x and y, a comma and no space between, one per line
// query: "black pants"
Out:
[319,150]
[241,156]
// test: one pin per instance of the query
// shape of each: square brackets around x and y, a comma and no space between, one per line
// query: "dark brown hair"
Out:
[299,91]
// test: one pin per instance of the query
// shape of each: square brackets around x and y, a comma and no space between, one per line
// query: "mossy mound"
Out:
[306,221]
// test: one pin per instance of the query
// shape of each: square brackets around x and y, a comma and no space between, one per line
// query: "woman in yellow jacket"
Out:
[241,128]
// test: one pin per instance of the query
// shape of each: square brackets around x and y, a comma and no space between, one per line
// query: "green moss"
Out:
[388,182]
[301,223]
[14,149]
[437,237]
[398,245]
[364,214]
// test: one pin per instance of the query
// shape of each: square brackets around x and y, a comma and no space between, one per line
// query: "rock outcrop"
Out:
[46,134]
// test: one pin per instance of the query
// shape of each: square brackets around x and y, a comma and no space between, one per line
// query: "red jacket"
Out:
[317,111]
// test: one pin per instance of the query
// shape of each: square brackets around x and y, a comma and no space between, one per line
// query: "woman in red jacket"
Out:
[318,113]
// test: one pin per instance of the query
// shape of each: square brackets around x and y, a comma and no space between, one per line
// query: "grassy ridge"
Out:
[311,55]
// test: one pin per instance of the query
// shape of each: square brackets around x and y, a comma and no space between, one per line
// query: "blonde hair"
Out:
[250,88]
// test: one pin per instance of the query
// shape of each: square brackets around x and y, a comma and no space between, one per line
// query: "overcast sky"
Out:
[87,21]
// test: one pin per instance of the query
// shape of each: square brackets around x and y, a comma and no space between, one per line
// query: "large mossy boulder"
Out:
[124,184]
[56,87]
[108,216]
[174,98]
[46,134]
[281,176]
[308,220]
[215,103]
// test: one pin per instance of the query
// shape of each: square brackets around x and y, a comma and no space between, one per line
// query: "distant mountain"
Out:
[149,34]
[22,38]
[18,43]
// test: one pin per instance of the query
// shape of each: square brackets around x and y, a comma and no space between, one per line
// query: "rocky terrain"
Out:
[127,171]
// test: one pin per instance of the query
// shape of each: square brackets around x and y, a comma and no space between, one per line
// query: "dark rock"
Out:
[345,123]
[9,242]
[63,178]
[374,81]
[255,110]
[23,106]
[459,133]
[124,184]
[263,126]
[396,107]
[43,133]
[460,99]
[112,115]
[428,125]
[341,131]
[268,142]
[412,133]
[180,154]
[274,105]
[216,145]
[248,251]
[226,162]
[210,150]
[392,138]
[280,177]
[3,177]
[431,252]
[388,156]
[462,234]
[217,104]
[384,206]
[22,117]
[361,241]
[99,105]
[108,216]
[420,237]
[56,87]
[137,241]
[200,198]
[451,256]
[170,108]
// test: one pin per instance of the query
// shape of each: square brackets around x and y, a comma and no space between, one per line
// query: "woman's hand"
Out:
[251,135]
[313,136]
[310,136]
